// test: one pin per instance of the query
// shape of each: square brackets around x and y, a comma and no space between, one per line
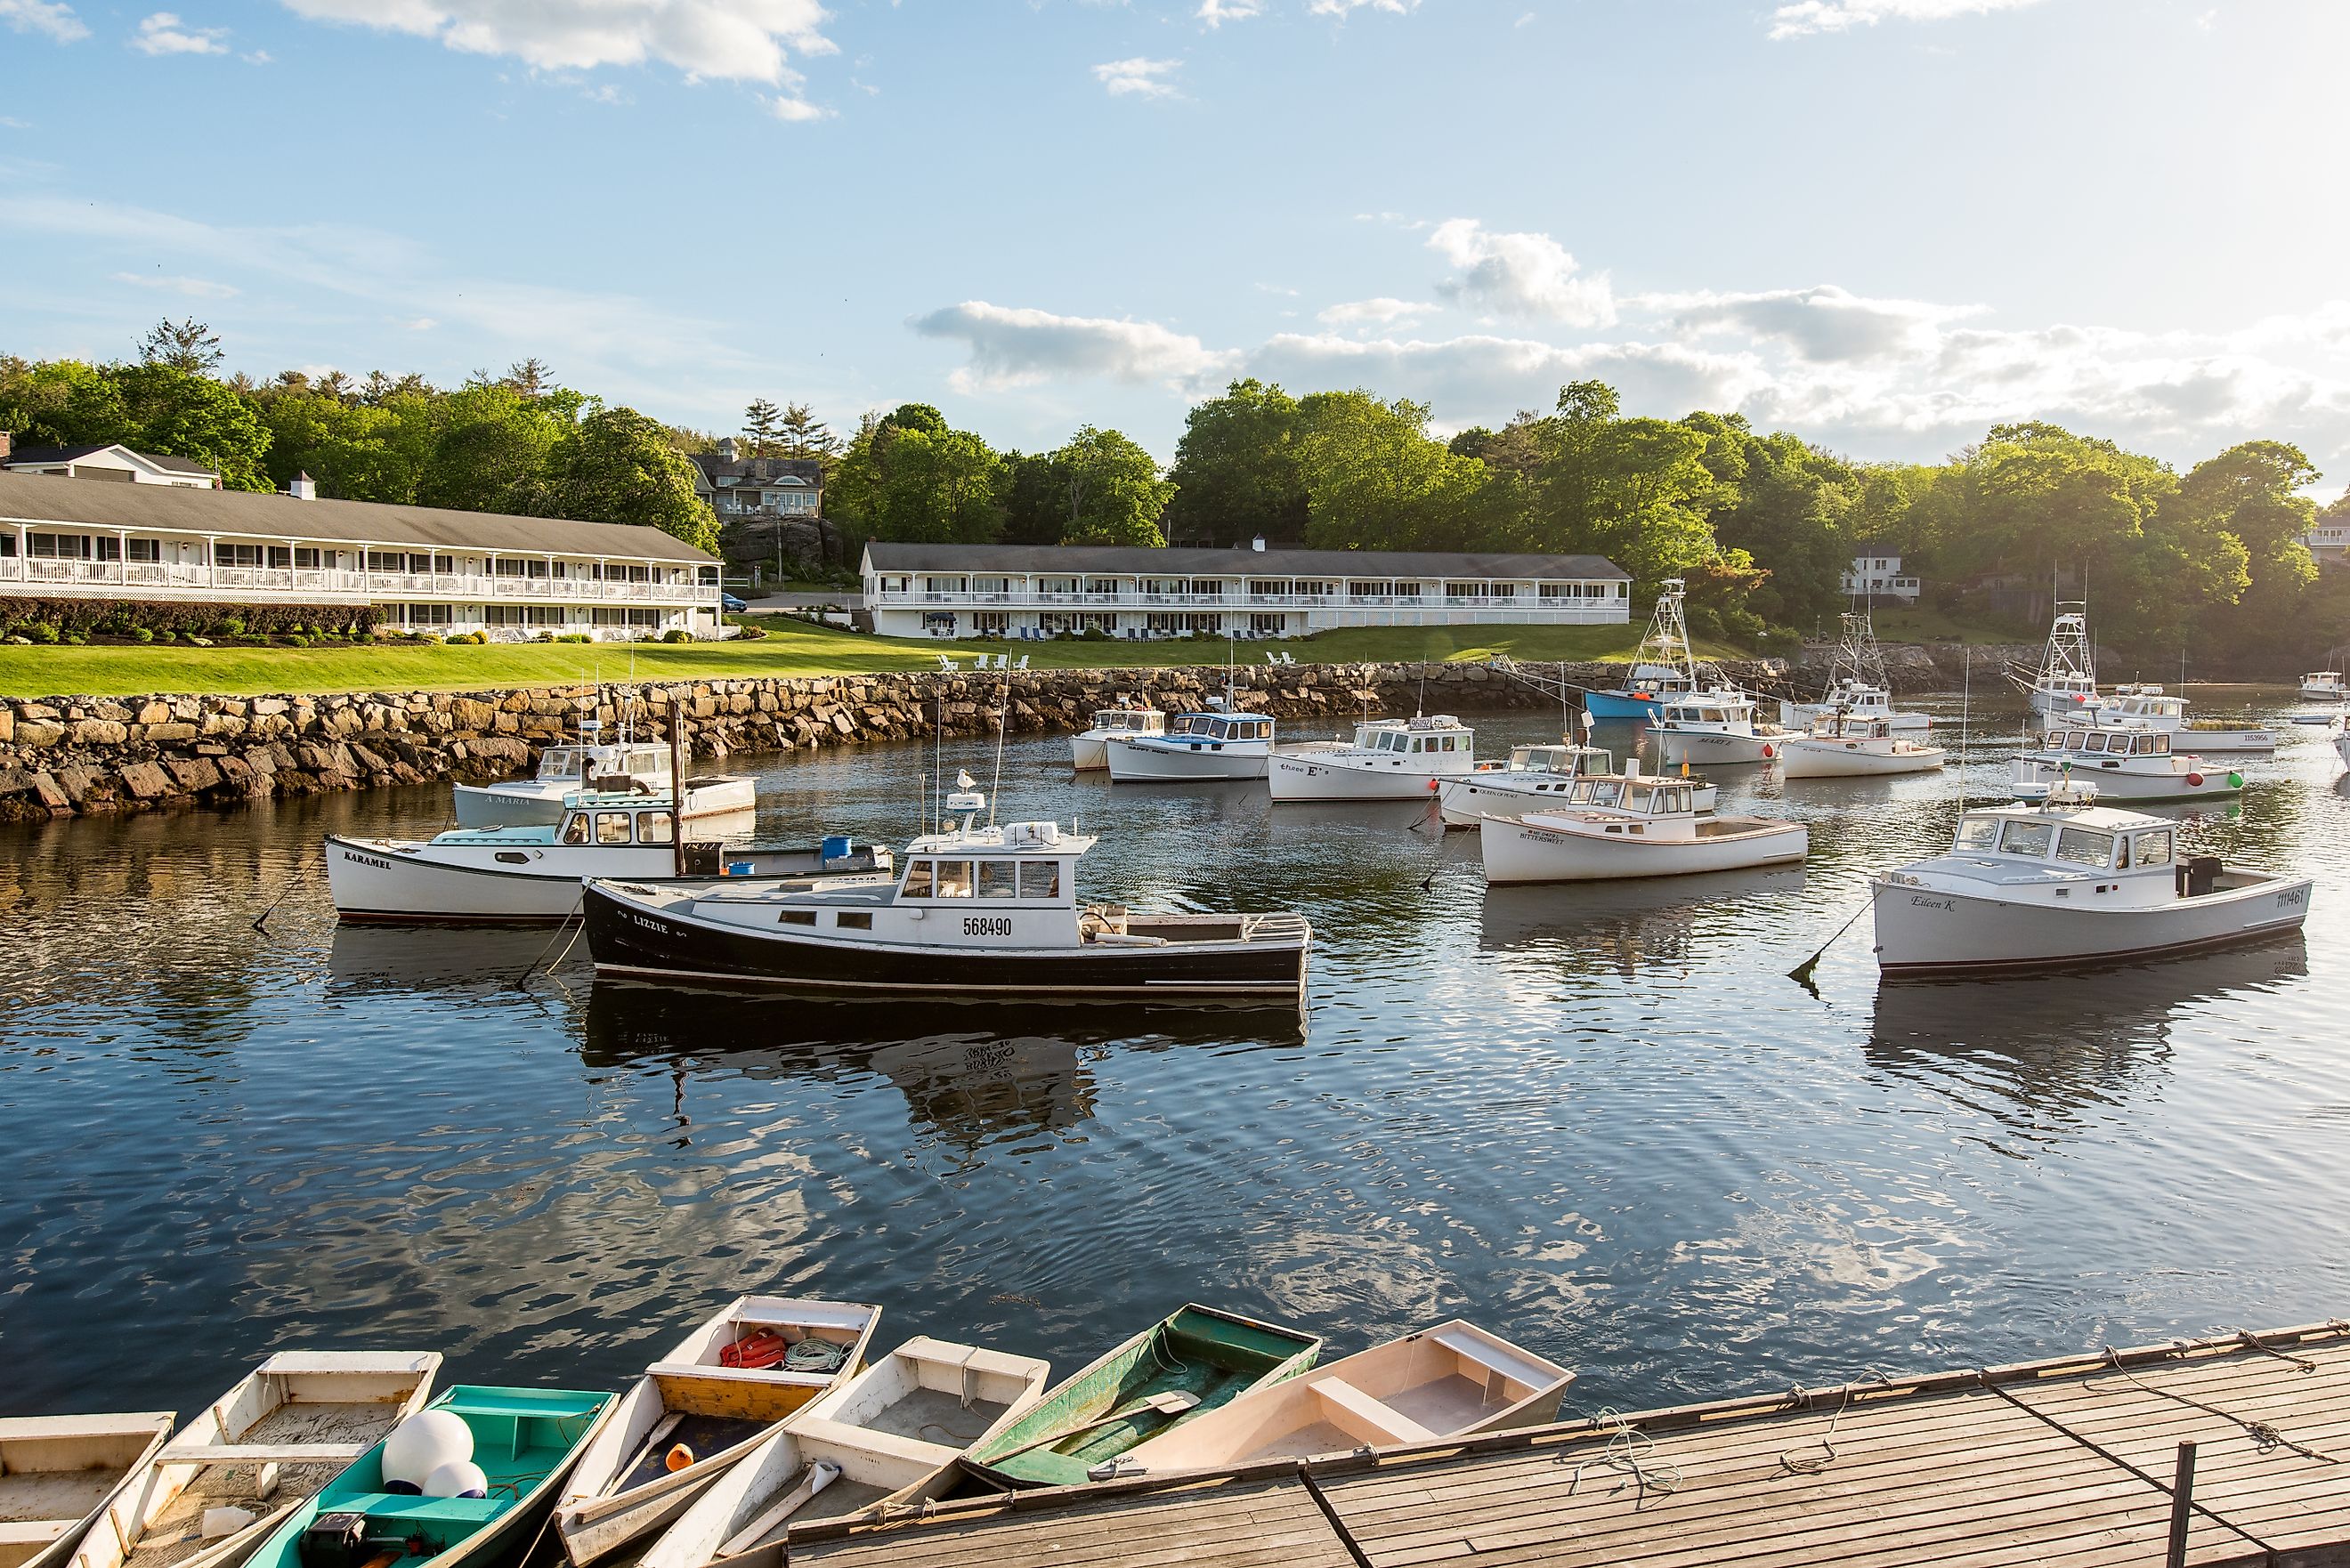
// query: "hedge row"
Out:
[122,615]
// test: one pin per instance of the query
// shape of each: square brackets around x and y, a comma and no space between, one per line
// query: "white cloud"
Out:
[164,34]
[421,324]
[260,58]
[1011,346]
[1524,277]
[11,123]
[1147,77]
[58,21]
[194,287]
[1809,17]
[1215,13]
[1379,312]
[735,40]
[795,110]
[1342,10]
[1826,324]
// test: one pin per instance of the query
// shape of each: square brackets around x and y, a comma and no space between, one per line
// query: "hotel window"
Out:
[545,615]
[1268,624]
[236,555]
[1101,585]
[281,557]
[992,623]
[1370,590]
[444,565]
[503,614]
[147,551]
[428,614]
[1468,590]
[9,546]
[307,559]
[386,561]
[644,617]
[108,549]
[60,547]
[1406,590]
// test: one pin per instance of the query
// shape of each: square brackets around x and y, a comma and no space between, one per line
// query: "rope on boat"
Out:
[282,894]
[1631,1453]
[815,1356]
[2265,1437]
[1794,1462]
[522,981]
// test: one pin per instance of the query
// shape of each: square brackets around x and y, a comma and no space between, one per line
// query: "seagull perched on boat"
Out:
[963,779]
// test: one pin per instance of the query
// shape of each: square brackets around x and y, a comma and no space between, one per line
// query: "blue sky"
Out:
[1882,223]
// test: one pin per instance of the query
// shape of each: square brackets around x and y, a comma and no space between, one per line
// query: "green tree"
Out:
[182,414]
[617,466]
[761,423]
[1378,481]
[189,346]
[1112,490]
[61,402]
[1633,490]
[805,436]
[489,446]
[909,475]
[1235,472]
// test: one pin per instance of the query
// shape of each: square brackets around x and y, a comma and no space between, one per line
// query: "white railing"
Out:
[348,585]
[896,597]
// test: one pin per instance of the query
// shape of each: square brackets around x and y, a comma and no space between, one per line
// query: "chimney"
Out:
[304,488]
[726,448]
[1257,543]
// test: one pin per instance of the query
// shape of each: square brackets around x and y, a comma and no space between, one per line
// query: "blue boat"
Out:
[525,1440]
[1663,668]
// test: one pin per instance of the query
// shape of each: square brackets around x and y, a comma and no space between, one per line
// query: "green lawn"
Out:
[792,647]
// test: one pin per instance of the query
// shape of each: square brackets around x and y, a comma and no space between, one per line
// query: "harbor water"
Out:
[1600,1120]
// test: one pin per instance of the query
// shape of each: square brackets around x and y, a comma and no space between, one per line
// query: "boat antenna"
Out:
[937,766]
[1966,708]
[1420,703]
[1003,713]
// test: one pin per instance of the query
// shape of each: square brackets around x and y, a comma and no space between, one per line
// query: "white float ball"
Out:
[458,1478]
[424,1442]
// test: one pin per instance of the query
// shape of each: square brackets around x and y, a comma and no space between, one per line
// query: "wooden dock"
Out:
[2076,1461]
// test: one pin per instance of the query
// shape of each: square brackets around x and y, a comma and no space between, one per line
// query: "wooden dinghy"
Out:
[1209,1357]
[523,1441]
[890,1435]
[261,1449]
[59,1475]
[717,1395]
[1450,1381]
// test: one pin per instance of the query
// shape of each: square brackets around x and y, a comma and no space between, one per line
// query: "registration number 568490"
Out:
[986,926]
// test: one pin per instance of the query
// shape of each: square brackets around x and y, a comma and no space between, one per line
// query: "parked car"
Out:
[729,604]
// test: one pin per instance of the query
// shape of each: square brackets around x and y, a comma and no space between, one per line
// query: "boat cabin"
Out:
[1415,737]
[610,820]
[1027,863]
[1631,797]
[1215,730]
[1563,758]
[1129,721]
[2084,840]
[1713,710]
[1842,725]
[2081,743]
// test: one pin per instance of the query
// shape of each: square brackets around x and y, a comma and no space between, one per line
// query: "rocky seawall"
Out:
[64,756]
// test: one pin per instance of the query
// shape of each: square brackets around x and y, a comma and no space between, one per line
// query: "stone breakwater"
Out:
[64,756]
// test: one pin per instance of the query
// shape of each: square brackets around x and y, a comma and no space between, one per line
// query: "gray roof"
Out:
[894,556]
[48,499]
[48,454]
[806,470]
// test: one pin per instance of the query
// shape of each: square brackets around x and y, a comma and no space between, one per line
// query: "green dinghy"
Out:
[1213,1356]
[526,1441]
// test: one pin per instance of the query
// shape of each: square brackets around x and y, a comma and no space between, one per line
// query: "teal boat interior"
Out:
[522,1438]
[1199,1351]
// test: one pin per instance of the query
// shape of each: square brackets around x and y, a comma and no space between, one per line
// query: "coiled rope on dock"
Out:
[1631,1453]
[2266,1438]
[1803,1400]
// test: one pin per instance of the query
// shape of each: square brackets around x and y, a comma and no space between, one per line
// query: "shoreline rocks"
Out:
[66,755]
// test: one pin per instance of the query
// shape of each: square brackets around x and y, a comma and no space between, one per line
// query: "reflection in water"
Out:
[2054,1042]
[1598,1118]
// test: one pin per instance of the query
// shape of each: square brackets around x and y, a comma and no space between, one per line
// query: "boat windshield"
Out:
[2148,848]
[2030,839]
[1978,833]
[2081,846]
[560,763]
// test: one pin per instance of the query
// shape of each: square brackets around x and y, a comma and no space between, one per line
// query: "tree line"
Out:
[1762,525]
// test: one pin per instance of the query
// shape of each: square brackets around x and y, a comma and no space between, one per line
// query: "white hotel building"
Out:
[67,534]
[1024,591]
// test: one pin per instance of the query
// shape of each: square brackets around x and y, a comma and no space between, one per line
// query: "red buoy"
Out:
[1767,752]
[2194,781]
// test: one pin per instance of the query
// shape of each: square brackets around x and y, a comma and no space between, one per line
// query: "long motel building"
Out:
[63,535]
[1022,591]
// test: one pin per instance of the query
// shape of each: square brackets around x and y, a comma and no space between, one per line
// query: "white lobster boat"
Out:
[701,1410]
[1857,683]
[2065,884]
[2342,741]
[620,767]
[1206,747]
[1631,827]
[889,1435]
[1841,746]
[535,873]
[2122,765]
[1389,758]
[231,1477]
[2325,685]
[977,910]
[1716,728]
[2147,708]
[2067,676]
[1090,748]
[1538,778]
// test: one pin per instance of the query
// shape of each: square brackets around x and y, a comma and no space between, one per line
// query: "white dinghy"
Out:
[1089,748]
[1389,758]
[1716,728]
[1632,828]
[1841,746]
[60,1475]
[231,1477]
[890,1435]
[2069,883]
[702,1409]
[1453,1380]
[2121,765]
